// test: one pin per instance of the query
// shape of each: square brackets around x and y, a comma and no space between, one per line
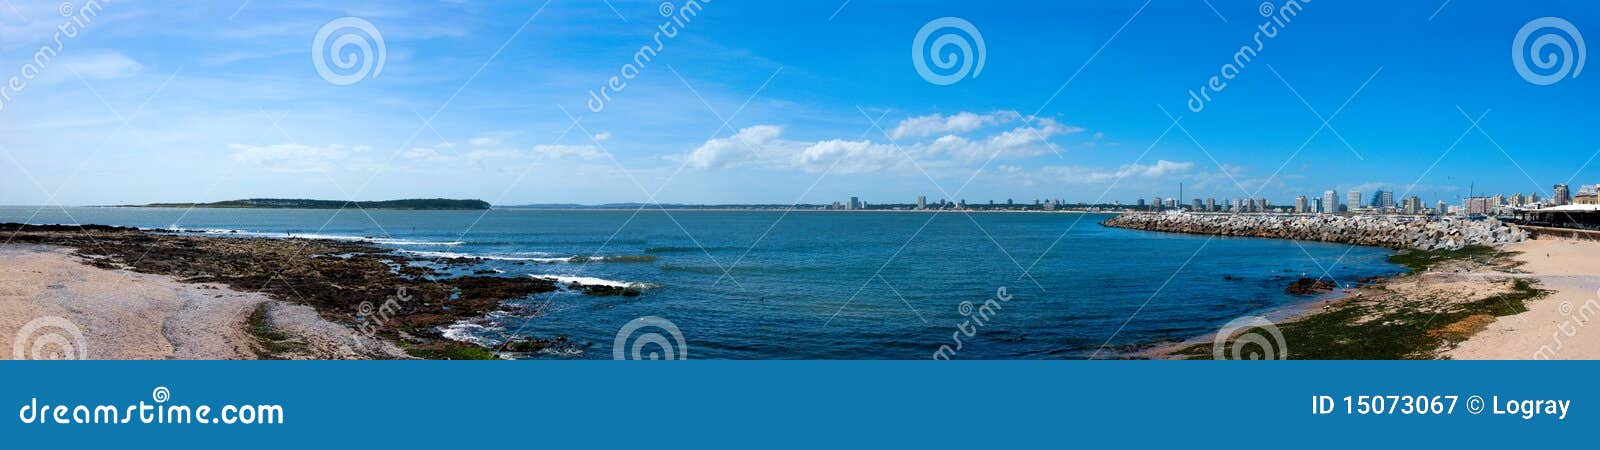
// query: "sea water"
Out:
[821,284]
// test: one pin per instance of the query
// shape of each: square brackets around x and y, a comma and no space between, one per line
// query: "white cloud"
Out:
[483,141]
[90,66]
[848,157]
[764,146]
[423,154]
[961,122]
[567,152]
[741,148]
[1021,142]
[1092,175]
[295,157]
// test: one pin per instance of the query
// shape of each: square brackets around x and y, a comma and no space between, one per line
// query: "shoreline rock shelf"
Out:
[1397,232]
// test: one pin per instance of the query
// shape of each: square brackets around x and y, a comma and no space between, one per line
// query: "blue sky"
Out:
[202,101]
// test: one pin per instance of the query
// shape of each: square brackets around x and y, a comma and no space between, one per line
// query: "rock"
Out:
[1426,233]
[1308,286]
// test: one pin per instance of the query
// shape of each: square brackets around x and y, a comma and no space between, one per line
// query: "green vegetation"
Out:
[1377,330]
[453,350]
[1422,260]
[427,204]
[270,343]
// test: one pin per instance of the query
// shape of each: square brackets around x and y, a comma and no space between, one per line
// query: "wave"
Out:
[539,259]
[592,281]
[686,249]
[293,235]
[472,333]
[454,255]
[410,242]
[619,258]
[744,268]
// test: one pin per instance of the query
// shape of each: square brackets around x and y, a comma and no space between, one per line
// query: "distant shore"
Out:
[816,210]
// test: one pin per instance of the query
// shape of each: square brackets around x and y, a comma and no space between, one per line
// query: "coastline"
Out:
[1525,300]
[156,295]
[249,298]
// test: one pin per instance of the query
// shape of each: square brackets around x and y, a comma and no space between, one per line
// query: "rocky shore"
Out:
[374,292]
[1397,232]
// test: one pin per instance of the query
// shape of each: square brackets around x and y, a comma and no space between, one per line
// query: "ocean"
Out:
[826,285]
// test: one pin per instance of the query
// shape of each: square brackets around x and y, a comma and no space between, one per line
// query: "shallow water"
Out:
[810,284]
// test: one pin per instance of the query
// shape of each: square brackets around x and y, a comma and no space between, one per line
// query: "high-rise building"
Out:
[1517,199]
[1211,203]
[1498,200]
[1330,202]
[1300,204]
[1172,203]
[1441,208]
[1353,199]
[1414,205]
[1478,206]
[1196,205]
[1386,199]
[922,202]
[1562,196]
[855,203]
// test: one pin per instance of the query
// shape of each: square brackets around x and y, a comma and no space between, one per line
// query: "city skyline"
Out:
[1561,195]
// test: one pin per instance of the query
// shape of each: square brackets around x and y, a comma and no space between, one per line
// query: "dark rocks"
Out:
[413,301]
[606,290]
[1308,286]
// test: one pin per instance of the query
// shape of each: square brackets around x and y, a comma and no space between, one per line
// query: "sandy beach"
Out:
[120,314]
[1526,300]
[1555,326]
[101,292]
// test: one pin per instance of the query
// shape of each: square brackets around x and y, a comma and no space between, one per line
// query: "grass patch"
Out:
[1422,260]
[270,343]
[1389,330]
[454,351]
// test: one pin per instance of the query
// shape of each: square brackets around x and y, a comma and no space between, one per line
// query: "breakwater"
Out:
[1398,232]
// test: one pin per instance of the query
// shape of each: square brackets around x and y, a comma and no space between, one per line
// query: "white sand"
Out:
[1559,326]
[127,315]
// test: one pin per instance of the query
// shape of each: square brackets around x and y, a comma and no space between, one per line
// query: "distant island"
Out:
[418,204]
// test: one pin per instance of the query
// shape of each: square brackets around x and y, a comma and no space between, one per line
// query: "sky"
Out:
[789,102]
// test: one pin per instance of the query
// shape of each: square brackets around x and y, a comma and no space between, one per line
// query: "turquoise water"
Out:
[810,284]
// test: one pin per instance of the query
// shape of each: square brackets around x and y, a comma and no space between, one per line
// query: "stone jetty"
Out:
[1397,232]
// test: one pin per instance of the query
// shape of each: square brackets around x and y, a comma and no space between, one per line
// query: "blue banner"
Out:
[721,404]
